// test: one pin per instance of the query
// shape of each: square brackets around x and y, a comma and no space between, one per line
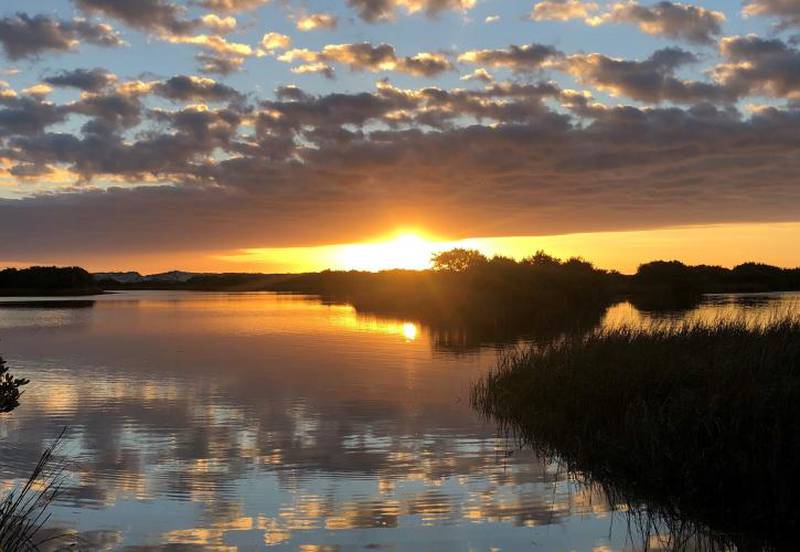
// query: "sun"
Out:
[408,250]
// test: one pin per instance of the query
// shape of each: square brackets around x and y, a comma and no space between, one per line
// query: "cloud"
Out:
[563,10]
[526,58]
[220,56]
[110,112]
[231,6]
[215,43]
[40,90]
[193,88]
[275,41]
[670,19]
[424,64]
[384,10]
[89,80]
[464,155]
[652,80]
[673,20]
[24,36]
[169,22]
[27,115]
[479,74]
[754,65]
[219,25]
[314,21]
[787,11]
[654,166]
[6,91]
[155,16]
[314,67]
[367,57]
[212,64]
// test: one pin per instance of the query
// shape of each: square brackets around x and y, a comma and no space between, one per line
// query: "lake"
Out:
[252,420]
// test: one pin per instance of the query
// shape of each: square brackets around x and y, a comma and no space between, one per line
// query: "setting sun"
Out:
[407,250]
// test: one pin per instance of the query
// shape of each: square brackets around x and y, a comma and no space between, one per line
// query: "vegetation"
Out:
[440,293]
[698,422]
[9,389]
[40,280]
[466,287]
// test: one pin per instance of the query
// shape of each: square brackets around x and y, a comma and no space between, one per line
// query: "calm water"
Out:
[244,421]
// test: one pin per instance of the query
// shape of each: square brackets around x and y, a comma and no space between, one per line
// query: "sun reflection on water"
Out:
[409,331]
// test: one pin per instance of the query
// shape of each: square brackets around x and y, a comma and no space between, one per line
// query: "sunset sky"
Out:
[288,135]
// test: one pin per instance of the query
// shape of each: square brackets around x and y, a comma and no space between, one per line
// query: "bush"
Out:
[9,388]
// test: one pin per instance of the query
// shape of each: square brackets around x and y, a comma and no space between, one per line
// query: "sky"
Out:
[289,135]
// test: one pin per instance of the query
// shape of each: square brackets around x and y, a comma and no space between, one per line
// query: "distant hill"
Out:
[132,277]
[121,277]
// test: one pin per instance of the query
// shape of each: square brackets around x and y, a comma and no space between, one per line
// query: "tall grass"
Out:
[24,511]
[699,421]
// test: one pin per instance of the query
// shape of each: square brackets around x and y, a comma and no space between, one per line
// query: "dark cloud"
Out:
[193,88]
[424,65]
[111,112]
[213,64]
[672,20]
[526,58]
[760,66]
[157,16]
[652,80]
[786,11]
[29,171]
[24,36]
[89,80]
[28,115]
[383,10]
[386,153]
[230,6]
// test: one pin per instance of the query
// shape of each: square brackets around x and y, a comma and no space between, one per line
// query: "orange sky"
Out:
[724,244]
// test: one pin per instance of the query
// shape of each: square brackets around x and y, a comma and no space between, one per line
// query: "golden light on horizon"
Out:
[408,250]
[404,249]
[723,244]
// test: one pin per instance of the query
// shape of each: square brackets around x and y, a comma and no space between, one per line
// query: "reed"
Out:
[24,512]
[697,421]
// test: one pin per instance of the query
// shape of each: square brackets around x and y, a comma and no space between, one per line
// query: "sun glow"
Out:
[407,250]
[724,244]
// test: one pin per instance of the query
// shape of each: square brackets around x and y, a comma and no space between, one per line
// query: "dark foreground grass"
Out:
[24,511]
[699,422]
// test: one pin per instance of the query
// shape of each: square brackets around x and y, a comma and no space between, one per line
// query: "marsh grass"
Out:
[694,424]
[24,511]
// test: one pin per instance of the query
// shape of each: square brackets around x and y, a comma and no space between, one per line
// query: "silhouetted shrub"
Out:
[9,388]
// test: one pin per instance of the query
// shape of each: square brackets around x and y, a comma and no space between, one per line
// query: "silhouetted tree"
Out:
[540,258]
[458,260]
[47,280]
[9,388]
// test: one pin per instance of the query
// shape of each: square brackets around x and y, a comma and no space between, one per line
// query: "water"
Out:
[243,421]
